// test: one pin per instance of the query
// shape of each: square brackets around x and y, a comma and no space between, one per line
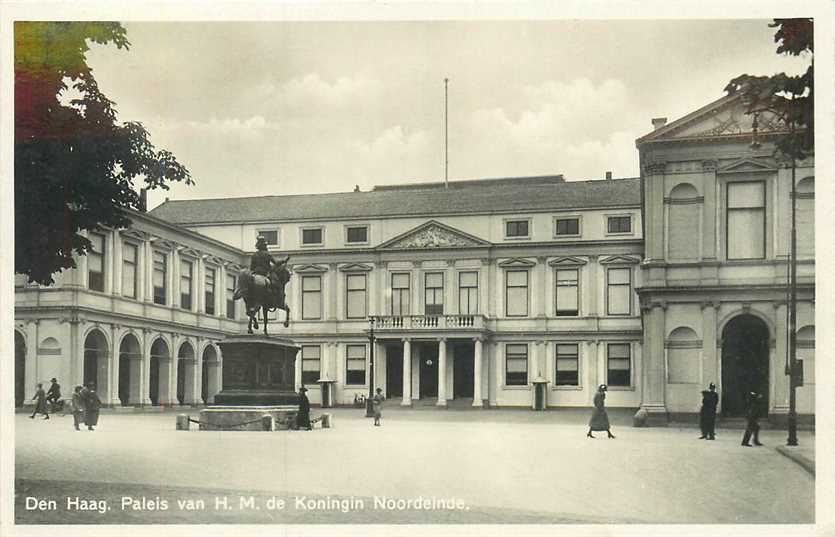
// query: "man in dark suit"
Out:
[53,395]
[753,415]
[303,417]
[707,415]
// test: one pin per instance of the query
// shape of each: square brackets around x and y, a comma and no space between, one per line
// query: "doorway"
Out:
[428,371]
[462,376]
[744,363]
[394,370]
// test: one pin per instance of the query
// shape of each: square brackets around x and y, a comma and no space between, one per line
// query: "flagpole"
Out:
[446,134]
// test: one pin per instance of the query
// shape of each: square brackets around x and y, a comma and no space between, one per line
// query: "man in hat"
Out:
[303,417]
[707,415]
[752,416]
[40,402]
[92,404]
[53,395]
[261,261]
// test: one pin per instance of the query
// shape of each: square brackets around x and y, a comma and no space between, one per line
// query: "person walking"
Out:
[599,419]
[53,395]
[77,407]
[377,406]
[752,416]
[40,402]
[92,404]
[707,414]
[303,417]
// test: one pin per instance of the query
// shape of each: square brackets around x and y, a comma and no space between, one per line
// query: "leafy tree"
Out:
[790,98]
[75,165]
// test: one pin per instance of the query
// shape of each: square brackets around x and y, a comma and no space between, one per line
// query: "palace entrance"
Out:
[394,370]
[428,366]
[744,363]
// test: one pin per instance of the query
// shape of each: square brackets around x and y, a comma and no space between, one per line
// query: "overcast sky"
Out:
[309,107]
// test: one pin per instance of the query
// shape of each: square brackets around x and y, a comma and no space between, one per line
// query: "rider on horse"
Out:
[262,261]
[262,286]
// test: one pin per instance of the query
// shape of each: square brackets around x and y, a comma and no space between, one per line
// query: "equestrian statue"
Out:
[262,286]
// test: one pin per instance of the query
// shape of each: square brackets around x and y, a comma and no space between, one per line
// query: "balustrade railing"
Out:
[427,322]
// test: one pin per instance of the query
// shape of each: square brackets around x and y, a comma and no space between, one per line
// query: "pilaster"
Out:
[442,358]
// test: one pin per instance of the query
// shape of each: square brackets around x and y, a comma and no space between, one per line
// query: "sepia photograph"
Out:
[289,270]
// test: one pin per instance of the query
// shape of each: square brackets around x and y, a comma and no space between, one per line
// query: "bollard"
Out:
[182,422]
[326,421]
[267,423]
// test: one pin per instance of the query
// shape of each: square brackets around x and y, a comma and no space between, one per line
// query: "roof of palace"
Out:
[461,197]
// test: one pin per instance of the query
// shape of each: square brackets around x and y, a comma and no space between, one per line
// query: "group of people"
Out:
[303,416]
[707,415]
[85,403]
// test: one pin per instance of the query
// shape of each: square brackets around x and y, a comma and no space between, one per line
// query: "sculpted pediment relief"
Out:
[434,235]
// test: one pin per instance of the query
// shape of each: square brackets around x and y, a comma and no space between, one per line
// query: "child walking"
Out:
[377,406]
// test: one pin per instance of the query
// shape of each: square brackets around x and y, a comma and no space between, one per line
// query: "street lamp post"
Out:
[792,418]
[369,409]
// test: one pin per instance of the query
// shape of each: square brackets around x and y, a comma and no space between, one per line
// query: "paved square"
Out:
[502,466]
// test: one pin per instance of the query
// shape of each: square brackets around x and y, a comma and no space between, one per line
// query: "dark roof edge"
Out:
[178,227]
[463,183]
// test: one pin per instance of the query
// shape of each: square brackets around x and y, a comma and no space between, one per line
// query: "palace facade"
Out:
[476,291]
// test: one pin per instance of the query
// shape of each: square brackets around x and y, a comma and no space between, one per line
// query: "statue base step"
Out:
[247,418]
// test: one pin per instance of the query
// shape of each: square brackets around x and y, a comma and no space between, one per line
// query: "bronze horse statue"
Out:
[264,294]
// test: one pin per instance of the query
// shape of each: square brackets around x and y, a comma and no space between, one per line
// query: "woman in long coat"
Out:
[303,417]
[77,407]
[92,404]
[599,419]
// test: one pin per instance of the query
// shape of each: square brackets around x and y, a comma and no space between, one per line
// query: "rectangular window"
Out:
[95,263]
[618,364]
[311,363]
[130,262]
[312,236]
[568,365]
[160,277]
[516,364]
[618,291]
[355,367]
[400,294]
[516,228]
[185,284]
[746,220]
[355,301]
[619,224]
[567,226]
[230,296]
[468,293]
[433,288]
[270,235]
[210,291]
[516,297]
[356,234]
[311,297]
[568,296]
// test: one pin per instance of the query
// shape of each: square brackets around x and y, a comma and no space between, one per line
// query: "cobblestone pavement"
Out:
[511,466]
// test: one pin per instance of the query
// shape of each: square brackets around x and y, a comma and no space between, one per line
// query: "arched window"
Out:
[683,224]
[683,362]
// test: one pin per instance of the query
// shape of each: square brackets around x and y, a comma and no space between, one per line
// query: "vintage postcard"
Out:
[417,269]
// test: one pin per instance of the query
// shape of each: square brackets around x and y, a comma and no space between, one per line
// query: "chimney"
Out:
[608,176]
[143,200]
[658,122]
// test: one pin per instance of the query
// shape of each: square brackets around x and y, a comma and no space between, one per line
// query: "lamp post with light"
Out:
[369,409]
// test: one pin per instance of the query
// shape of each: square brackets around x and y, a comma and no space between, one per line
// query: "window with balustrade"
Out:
[433,293]
[468,293]
[400,293]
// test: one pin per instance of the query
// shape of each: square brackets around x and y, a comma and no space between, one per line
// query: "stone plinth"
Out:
[258,370]
[230,418]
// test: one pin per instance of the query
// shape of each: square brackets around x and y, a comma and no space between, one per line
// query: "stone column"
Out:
[197,387]
[30,374]
[710,364]
[777,367]
[145,379]
[407,372]
[478,399]
[654,192]
[709,210]
[379,366]
[113,371]
[496,356]
[77,359]
[653,365]
[591,366]
[442,371]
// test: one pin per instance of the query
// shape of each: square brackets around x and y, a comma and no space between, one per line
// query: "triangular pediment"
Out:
[517,262]
[355,267]
[724,117]
[309,269]
[566,261]
[620,260]
[746,165]
[433,234]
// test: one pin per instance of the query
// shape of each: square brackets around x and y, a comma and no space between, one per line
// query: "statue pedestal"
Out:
[258,371]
